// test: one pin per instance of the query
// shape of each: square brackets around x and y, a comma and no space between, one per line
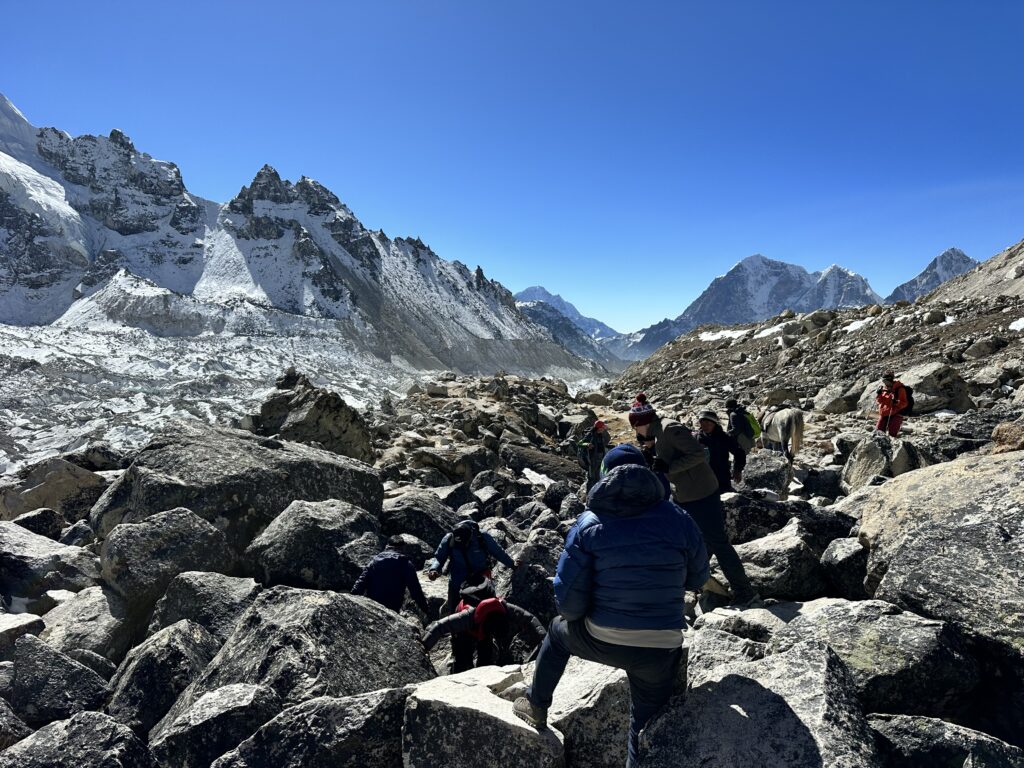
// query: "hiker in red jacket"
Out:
[480,622]
[892,400]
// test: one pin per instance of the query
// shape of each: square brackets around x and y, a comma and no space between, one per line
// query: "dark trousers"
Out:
[651,672]
[463,647]
[709,516]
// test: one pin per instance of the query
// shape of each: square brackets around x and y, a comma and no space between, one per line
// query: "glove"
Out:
[432,575]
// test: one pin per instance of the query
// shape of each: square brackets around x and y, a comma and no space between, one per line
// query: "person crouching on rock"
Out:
[388,575]
[620,586]
[480,622]
[469,551]
[892,401]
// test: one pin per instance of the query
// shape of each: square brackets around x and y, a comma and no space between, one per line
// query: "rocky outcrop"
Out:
[439,712]
[140,559]
[782,564]
[233,479]
[156,672]
[303,413]
[304,644]
[322,545]
[31,564]
[767,470]
[794,709]
[216,723]
[325,732]
[53,483]
[49,686]
[211,600]
[899,662]
[880,456]
[905,741]
[87,740]
[419,513]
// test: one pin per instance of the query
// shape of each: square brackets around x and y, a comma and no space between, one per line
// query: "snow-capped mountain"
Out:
[595,329]
[91,228]
[569,334]
[754,289]
[1002,275]
[947,265]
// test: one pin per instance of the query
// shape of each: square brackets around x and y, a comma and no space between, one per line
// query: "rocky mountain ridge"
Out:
[593,328]
[75,212]
[944,267]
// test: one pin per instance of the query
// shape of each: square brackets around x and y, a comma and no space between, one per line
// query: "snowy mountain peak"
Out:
[595,329]
[17,134]
[951,263]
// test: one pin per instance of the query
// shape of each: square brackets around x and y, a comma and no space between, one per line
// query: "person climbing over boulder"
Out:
[468,552]
[387,577]
[892,402]
[719,446]
[620,586]
[482,624]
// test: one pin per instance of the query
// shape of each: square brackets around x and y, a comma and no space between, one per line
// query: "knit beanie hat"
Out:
[709,416]
[731,404]
[622,454]
[641,413]
[599,424]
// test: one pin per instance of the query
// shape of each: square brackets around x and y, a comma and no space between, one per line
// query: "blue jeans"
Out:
[709,516]
[650,672]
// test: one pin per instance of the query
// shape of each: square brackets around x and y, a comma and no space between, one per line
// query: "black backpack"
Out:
[909,409]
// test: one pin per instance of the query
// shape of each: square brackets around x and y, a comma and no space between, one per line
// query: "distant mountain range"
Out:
[754,289]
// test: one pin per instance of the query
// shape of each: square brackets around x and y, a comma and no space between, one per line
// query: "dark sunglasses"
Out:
[644,438]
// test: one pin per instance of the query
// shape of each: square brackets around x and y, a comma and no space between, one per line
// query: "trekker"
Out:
[388,575]
[695,487]
[591,450]
[740,428]
[480,621]
[620,587]
[469,551]
[719,445]
[892,401]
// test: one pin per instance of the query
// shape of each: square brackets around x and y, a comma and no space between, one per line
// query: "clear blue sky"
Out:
[621,154]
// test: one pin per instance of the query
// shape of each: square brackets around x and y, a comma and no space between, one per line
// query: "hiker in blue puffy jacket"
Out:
[620,587]
[388,575]
[469,551]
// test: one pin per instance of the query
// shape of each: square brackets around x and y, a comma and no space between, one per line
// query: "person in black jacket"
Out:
[719,445]
[388,575]
[739,426]
[480,622]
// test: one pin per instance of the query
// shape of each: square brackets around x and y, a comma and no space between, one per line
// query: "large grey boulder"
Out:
[839,396]
[767,470]
[783,564]
[757,624]
[13,626]
[440,712]
[790,710]
[216,723]
[12,729]
[905,741]
[231,478]
[530,585]
[31,564]
[49,686]
[212,600]
[970,488]
[558,468]
[304,413]
[880,455]
[95,619]
[87,740]
[419,513]
[936,386]
[363,730]
[53,483]
[748,518]
[323,545]
[46,522]
[140,559]
[845,564]
[711,648]
[899,662]
[304,644]
[459,464]
[156,672]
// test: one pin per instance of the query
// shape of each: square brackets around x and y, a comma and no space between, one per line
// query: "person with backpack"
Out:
[719,446]
[468,552]
[387,577]
[620,587]
[480,622]
[590,451]
[695,488]
[893,404]
[743,425]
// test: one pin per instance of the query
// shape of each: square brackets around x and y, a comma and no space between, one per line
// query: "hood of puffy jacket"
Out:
[627,490]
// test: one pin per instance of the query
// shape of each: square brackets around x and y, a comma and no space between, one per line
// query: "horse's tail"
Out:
[798,431]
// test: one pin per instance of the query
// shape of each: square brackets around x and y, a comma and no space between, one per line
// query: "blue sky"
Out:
[620,156]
